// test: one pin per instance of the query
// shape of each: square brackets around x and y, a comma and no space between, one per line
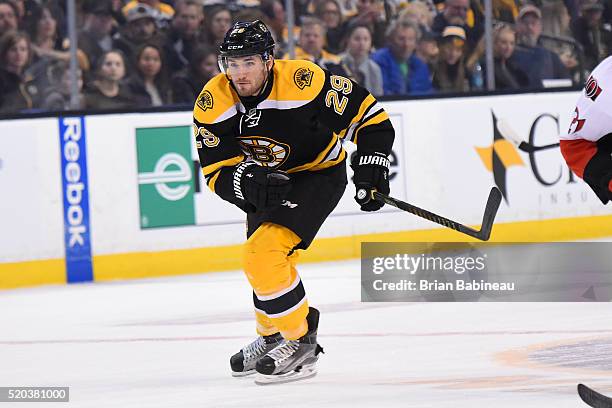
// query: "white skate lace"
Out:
[255,349]
[284,351]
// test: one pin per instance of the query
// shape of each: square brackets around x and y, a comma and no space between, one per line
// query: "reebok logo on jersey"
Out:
[592,88]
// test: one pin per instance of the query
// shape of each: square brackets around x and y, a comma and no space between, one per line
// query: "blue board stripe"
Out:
[75,194]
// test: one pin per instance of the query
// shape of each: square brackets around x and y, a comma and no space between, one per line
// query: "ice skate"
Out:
[243,362]
[291,360]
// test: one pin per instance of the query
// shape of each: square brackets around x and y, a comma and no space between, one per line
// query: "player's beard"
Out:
[252,87]
[247,89]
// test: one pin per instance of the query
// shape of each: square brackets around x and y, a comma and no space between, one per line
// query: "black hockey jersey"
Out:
[297,124]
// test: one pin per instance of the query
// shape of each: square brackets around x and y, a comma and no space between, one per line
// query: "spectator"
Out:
[556,23]
[276,20]
[218,22]
[15,54]
[57,97]
[149,85]
[538,62]
[427,50]
[140,29]
[163,11]
[184,34]
[456,13]
[21,11]
[95,37]
[403,72]
[420,13]
[106,91]
[45,28]
[357,58]
[329,12]
[48,45]
[450,74]
[507,74]
[590,31]
[371,13]
[188,82]
[311,42]
[8,16]
[506,10]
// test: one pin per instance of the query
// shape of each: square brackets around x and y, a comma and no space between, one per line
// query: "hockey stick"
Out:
[509,134]
[593,398]
[529,148]
[487,219]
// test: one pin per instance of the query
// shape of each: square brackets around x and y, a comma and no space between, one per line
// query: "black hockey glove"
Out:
[262,188]
[371,173]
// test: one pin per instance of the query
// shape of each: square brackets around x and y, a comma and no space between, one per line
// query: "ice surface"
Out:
[167,343]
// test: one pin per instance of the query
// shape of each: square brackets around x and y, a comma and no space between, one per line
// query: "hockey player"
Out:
[587,147]
[269,137]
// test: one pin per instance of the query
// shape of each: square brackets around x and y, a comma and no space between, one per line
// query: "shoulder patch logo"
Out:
[205,101]
[303,77]
[592,88]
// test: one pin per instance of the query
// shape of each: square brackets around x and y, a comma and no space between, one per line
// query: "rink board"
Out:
[145,210]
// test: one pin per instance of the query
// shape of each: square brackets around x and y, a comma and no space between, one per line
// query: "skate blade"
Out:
[306,371]
[238,374]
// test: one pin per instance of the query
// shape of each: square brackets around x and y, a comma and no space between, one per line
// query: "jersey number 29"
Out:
[338,84]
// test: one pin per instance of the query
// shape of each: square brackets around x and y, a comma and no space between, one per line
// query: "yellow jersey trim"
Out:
[211,168]
[213,180]
[216,102]
[380,117]
[296,81]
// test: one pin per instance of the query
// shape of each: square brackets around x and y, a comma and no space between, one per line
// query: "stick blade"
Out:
[493,202]
[592,398]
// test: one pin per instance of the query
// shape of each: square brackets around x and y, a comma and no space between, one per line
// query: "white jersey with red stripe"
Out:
[587,145]
[593,114]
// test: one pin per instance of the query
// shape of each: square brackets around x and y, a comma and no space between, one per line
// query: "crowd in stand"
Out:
[134,54]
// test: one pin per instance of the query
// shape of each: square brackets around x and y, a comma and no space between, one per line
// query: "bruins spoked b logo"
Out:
[303,77]
[264,151]
[205,100]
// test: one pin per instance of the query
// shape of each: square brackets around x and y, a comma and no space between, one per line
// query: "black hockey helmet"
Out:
[247,38]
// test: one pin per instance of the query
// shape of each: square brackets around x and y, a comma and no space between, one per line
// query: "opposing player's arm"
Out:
[355,115]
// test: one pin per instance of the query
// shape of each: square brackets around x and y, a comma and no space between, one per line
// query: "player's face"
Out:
[248,74]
